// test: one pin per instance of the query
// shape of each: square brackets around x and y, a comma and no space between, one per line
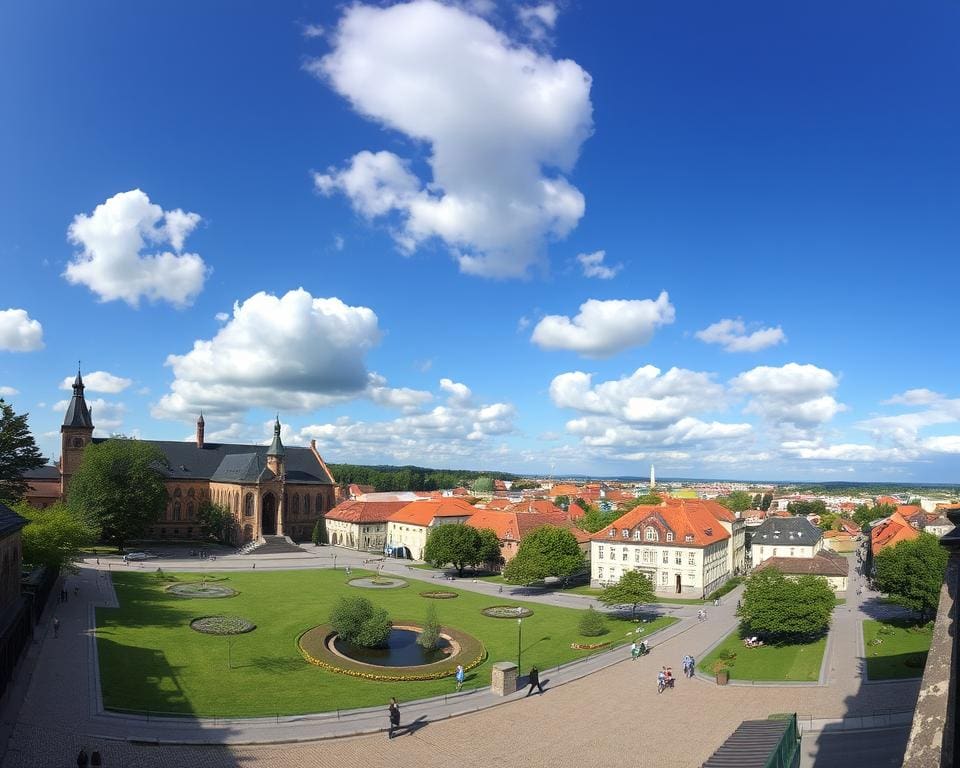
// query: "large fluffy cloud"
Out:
[19,332]
[733,337]
[502,122]
[603,328]
[793,393]
[99,381]
[292,352]
[111,262]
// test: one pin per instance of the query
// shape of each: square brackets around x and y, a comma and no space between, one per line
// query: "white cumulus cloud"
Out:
[8,391]
[593,266]
[503,123]
[19,332]
[603,328]
[733,337]
[99,381]
[112,262]
[793,393]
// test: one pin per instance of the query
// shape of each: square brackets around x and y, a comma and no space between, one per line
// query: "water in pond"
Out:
[402,651]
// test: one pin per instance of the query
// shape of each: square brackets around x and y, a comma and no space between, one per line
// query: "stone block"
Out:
[504,678]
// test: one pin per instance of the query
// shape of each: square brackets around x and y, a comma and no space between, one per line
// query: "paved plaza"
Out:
[581,719]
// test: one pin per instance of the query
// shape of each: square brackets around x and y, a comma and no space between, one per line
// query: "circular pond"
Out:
[199,589]
[222,625]
[401,650]
[507,612]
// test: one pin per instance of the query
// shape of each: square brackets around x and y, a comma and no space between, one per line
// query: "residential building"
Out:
[889,532]
[361,525]
[831,566]
[938,525]
[839,541]
[511,526]
[355,491]
[785,537]
[10,557]
[408,527]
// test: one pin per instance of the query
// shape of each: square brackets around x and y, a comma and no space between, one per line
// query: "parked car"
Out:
[136,556]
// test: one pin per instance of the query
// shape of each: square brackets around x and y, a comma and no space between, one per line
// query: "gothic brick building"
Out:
[269,490]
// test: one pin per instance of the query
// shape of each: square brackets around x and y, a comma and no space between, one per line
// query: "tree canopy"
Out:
[912,573]
[765,501]
[784,608]
[18,453]
[357,621]
[737,501]
[215,521]
[119,488]
[648,499]
[461,545]
[864,513]
[595,519]
[55,536]
[544,552]
[408,478]
[633,589]
[813,507]
[482,485]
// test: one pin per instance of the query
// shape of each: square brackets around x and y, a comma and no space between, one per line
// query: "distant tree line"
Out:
[409,478]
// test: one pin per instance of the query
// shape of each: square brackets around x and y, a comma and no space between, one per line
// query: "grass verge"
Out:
[901,652]
[793,663]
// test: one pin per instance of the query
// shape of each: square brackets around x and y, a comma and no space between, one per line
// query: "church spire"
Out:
[276,447]
[78,414]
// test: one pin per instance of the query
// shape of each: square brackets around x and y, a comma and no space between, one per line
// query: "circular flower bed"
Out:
[439,594]
[315,646]
[507,612]
[200,589]
[222,625]
[375,582]
[588,646]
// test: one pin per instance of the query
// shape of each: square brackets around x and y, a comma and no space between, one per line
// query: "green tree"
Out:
[458,545]
[737,501]
[912,573]
[562,501]
[766,501]
[545,551]
[488,548]
[524,485]
[757,499]
[482,485]
[647,500]
[319,534]
[784,608]
[54,536]
[633,589]
[594,519]
[915,502]
[828,521]
[119,488]
[865,514]
[215,521]
[18,453]
[592,623]
[358,622]
[814,507]
[429,636]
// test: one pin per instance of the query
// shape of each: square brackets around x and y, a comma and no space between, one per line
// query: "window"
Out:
[669,535]
[189,510]
[248,505]
[319,506]
[678,558]
[190,493]
[651,533]
[613,553]
[600,552]
[176,493]
[78,442]
[626,553]
[636,534]
[774,551]
[306,504]
[296,504]
[791,551]
[666,557]
[691,558]
[664,577]
[600,573]
[688,537]
[648,556]
[613,532]
[636,555]
[176,510]
[625,533]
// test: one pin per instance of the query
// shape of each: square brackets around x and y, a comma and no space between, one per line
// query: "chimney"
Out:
[313,444]
[200,431]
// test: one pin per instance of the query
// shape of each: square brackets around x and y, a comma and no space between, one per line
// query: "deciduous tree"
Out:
[215,521]
[912,572]
[633,589]
[738,501]
[119,488]
[458,545]
[357,621]
[786,608]
[544,552]
[18,453]
[54,536]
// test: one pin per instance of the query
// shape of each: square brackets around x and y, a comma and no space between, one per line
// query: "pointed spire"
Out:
[276,447]
[78,414]
[200,420]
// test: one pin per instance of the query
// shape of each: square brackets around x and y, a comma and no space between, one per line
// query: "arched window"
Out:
[78,442]
[236,502]
[189,510]
[306,505]
[296,505]
[319,504]
[176,510]
[248,505]
[651,533]
[176,493]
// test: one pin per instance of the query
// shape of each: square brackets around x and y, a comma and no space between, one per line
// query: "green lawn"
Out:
[787,662]
[150,660]
[902,651]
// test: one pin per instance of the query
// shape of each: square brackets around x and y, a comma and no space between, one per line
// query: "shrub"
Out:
[429,636]
[592,623]
[358,622]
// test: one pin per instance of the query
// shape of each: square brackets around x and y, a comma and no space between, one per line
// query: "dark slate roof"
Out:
[242,468]
[796,531]
[751,745]
[78,415]
[188,462]
[46,472]
[10,521]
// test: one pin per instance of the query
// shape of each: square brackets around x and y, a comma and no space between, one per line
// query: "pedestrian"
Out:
[82,760]
[95,760]
[738,605]
[254,566]
[500,589]
[700,615]
[534,678]
[716,603]
[634,651]
[460,676]
[56,627]
[704,615]
[76,590]
[98,561]
[394,711]
[692,666]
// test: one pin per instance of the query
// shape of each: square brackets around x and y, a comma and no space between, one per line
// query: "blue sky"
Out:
[567,237]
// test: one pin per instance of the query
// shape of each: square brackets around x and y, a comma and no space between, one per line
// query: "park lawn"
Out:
[150,660]
[771,662]
[902,652]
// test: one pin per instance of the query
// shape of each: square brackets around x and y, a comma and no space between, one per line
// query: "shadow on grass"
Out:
[135,680]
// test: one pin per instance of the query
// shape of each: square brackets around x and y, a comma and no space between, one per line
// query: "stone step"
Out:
[274,545]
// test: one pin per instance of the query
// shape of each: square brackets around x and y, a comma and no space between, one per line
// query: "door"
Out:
[678,584]
[268,521]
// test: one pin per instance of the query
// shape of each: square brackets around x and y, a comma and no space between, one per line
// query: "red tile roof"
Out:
[890,532]
[575,511]
[824,563]
[513,526]
[365,511]
[682,519]
[423,512]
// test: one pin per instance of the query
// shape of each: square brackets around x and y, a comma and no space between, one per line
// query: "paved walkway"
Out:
[588,721]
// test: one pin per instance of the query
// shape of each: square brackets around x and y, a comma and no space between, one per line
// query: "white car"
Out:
[136,556]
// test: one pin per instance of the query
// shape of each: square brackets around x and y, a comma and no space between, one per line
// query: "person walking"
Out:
[460,676]
[56,627]
[82,760]
[692,666]
[534,679]
[394,712]
[634,651]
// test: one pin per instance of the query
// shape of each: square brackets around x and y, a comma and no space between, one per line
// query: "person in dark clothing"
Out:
[534,679]
[82,760]
[394,716]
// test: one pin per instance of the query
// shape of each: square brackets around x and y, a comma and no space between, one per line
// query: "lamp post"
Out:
[334,562]
[519,643]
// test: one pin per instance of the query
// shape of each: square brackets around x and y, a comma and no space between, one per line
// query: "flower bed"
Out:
[377,582]
[507,612]
[588,646]
[200,589]
[313,645]
[439,595]
[222,625]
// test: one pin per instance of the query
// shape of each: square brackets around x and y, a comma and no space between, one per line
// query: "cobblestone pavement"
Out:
[611,715]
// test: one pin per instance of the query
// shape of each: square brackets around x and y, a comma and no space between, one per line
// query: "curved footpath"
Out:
[609,708]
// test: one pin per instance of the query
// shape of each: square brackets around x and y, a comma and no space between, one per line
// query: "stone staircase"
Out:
[275,545]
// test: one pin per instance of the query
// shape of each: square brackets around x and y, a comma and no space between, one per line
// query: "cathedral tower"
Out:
[75,434]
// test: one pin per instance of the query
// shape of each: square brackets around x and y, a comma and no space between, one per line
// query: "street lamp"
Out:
[519,643]
[334,562]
